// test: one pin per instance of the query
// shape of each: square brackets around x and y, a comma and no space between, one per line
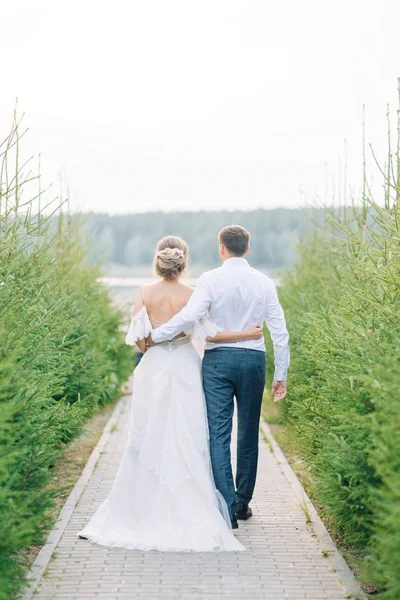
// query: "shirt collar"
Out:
[235,261]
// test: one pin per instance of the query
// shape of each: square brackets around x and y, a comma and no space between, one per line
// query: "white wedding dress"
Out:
[164,497]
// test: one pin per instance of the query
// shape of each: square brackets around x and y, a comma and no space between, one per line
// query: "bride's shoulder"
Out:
[187,289]
[149,288]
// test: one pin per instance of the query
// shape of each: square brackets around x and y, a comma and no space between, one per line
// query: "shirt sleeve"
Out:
[195,309]
[275,320]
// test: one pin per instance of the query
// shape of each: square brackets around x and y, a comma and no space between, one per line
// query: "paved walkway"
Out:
[284,558]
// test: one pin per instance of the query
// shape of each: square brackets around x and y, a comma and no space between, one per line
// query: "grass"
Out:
[272,414]
[304,507]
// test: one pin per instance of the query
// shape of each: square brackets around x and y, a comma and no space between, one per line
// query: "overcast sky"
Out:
[190,104]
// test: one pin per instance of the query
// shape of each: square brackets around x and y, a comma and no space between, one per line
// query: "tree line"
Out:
[130,239]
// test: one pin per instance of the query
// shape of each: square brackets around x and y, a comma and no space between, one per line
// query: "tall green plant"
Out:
[62,353]
[342,305]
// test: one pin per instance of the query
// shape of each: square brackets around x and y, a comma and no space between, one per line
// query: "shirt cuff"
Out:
[280,375]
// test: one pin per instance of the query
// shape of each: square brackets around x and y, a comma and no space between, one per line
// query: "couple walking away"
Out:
[174,490]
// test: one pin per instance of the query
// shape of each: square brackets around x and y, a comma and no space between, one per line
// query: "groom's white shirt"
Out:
[236,297]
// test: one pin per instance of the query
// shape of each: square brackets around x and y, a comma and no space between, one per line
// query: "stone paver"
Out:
[283,560]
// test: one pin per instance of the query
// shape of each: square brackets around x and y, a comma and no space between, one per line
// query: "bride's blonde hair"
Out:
[171,257]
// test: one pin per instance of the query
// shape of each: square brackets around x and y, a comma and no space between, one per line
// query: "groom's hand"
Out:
[278,390]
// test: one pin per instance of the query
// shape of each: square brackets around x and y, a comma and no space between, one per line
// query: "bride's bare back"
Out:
[165,299]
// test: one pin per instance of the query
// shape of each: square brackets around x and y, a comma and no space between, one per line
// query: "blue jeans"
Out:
[228,373]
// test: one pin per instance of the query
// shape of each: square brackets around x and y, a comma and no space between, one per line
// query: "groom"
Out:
[236,297]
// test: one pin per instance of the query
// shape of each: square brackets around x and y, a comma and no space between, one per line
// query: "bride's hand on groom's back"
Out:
[149,342]
[254,333]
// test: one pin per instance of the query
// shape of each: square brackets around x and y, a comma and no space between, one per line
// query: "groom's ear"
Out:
[247,250]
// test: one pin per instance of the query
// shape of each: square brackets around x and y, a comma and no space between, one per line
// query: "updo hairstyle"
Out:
[171,257]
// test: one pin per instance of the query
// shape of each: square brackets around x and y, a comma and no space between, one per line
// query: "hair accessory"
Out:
[179,251]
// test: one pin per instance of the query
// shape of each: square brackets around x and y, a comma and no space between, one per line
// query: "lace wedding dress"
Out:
[164,497]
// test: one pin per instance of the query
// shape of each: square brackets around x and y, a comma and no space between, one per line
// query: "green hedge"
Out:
[343,304]
[62,356]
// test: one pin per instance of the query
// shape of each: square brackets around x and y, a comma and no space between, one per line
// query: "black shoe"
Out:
[82,537]
[243,511]
[234,522]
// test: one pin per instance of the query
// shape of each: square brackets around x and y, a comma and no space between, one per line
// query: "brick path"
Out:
[284,559]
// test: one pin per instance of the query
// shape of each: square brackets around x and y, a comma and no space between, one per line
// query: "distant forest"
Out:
[129,240]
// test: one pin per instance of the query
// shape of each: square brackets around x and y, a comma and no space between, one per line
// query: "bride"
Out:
[164,497]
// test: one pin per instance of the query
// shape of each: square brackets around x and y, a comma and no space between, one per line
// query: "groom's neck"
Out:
[226,257]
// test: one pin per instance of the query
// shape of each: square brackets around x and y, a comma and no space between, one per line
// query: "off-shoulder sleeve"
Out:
[202,329]
[139,327]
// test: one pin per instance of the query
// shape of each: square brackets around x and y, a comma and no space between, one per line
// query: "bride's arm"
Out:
[254,333]
[141,344]
[137,305]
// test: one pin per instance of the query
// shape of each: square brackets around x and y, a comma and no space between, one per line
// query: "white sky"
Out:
[184,104]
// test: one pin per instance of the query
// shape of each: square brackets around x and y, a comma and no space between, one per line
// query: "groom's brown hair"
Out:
[235,238]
